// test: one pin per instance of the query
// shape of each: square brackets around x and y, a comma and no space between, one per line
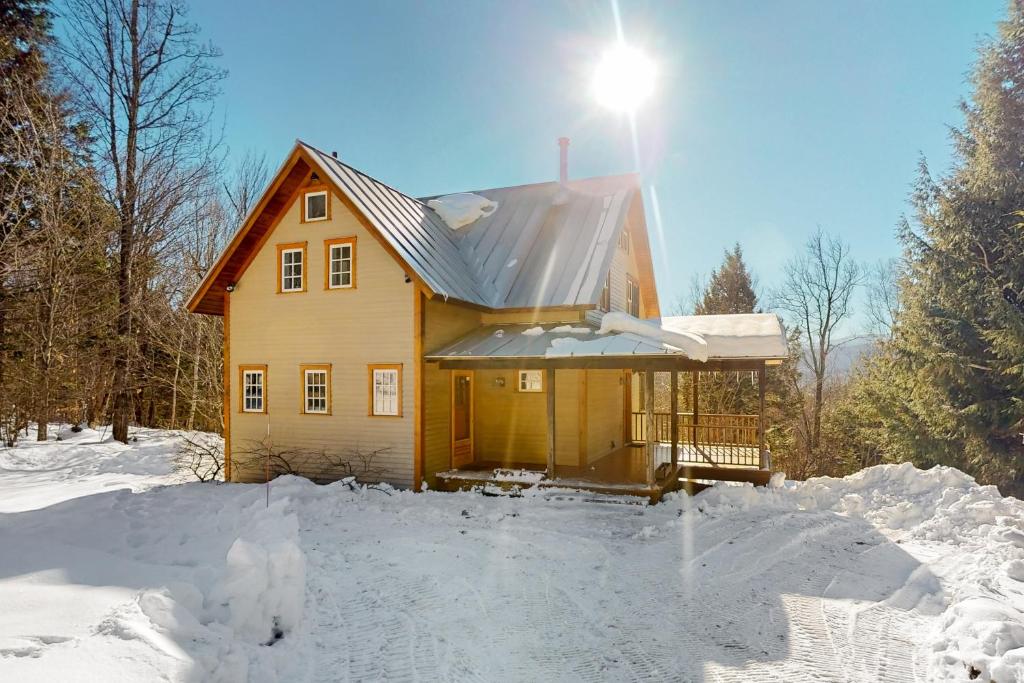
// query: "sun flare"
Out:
[623,79]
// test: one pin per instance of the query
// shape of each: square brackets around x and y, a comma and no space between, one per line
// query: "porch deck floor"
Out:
[623,469]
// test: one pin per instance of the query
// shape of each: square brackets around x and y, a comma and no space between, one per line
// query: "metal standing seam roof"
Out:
[545,245]
[730,337]
[415,232]
[509,341]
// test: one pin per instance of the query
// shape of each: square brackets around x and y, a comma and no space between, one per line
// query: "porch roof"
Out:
[744,337]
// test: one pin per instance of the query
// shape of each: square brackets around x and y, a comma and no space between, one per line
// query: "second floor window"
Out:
[632,297]
[291,267]
[341,263]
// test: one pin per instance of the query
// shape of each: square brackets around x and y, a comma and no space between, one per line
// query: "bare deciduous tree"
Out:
[146,83]
[816,293]
[883,303]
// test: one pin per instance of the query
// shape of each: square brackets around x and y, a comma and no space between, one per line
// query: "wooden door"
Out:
[462,418]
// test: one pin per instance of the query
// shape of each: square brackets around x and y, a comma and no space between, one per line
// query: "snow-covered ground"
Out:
[106,574]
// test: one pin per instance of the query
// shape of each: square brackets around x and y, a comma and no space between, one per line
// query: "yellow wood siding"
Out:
[604,412]
[511,426]
[624,264]
[443,323]
[347,328]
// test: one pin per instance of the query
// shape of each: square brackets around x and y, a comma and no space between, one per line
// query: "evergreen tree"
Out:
[950,387]
[730,289]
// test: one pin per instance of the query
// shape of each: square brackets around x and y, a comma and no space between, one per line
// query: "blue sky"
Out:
[770,118]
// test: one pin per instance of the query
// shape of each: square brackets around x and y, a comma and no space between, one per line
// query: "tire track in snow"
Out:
[478,596]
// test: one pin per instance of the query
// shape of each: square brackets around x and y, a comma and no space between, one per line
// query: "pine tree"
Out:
[730,289]
[958,347]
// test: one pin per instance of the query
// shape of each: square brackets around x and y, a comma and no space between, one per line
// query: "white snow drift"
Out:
[891,574]
[460,209]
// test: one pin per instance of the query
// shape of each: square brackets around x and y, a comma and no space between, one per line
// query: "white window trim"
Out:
[302,271]
[263,390]
[305,391]
[379,400]
[305,206]
[341,259]
[531,386]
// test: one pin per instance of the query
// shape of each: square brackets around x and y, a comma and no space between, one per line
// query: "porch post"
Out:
[695,375]
[649,432]
[760,416]
[674,419]
[551,421]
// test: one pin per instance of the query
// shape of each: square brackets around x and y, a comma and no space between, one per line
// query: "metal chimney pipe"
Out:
[563,160]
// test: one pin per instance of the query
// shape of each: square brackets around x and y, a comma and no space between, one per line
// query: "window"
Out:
[386,390]
[624,241]
[253,384]
[315,206]
[632,297]
[606,294]
[291,267]
[340,263]
[530,381]
[316,389]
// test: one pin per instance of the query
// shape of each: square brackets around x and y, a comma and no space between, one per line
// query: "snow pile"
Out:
[265,577]
[461,209]
[569,329]
[533,331]
[981,597]
[890,574]
[693,345]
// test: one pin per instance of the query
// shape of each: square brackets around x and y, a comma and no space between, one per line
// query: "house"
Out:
[508,335]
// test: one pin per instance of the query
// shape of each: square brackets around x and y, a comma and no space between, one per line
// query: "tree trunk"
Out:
[174,382]
[195,379]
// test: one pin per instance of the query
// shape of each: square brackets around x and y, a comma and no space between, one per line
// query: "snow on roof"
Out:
[700,338]
[739,335]
[461,209]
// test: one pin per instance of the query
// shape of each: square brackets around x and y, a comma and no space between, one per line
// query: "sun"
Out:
[623,79]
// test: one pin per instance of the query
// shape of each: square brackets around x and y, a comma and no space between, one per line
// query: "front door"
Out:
[462,418]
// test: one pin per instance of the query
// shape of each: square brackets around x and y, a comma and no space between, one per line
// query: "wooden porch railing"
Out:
[719,438]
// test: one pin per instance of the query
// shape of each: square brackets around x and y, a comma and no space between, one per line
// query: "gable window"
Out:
[291,267]
[624,240]
[386,390]
[606,294]
[315,206]
[316,389]
[253,383]
[340,263]
[530,381]
[632,297]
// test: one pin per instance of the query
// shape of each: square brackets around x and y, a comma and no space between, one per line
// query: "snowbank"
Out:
[981,600]
[891,574]
[461,209]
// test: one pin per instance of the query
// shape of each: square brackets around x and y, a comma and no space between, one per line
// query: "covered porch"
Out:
[680,450]
[666,442]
